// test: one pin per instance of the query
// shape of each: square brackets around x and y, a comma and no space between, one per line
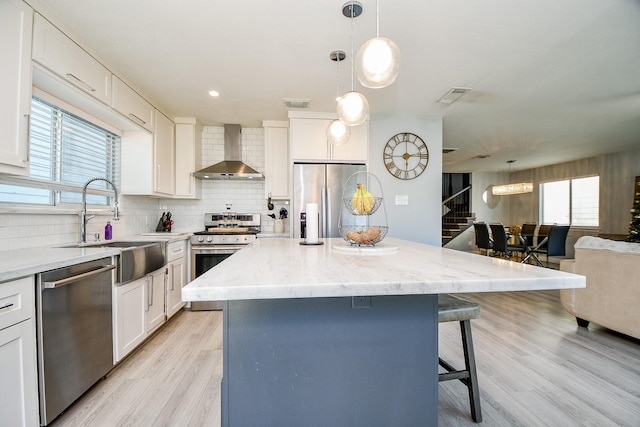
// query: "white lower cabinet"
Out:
[138,311]
[18,378]
[155,314]
[177,276]
[130,322]
[19,402]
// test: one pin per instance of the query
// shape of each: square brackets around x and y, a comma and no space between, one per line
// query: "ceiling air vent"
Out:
[453,95]
[293,103]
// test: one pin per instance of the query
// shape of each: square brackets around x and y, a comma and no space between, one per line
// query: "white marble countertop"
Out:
[25,262]
[282,268]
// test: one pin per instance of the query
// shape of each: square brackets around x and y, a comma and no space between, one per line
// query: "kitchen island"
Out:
[332,335]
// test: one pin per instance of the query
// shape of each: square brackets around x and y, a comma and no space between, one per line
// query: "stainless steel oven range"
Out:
[224,234]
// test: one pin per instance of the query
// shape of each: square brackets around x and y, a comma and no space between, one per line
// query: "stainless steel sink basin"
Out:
[136,259]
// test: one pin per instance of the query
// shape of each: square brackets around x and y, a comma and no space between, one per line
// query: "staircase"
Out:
[455,215]
[454,224]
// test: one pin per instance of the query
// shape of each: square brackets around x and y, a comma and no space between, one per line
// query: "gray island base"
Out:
[331,362]
[315,336]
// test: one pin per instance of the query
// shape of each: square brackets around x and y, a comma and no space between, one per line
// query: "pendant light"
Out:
[509,189]
[378,60]
[353,107]
[337,132]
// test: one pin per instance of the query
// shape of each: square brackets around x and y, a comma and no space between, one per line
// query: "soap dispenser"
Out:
[108,231]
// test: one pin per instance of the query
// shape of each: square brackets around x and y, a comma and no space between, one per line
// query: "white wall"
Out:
[496,208]
[421,220]
[617,177]
[617,173]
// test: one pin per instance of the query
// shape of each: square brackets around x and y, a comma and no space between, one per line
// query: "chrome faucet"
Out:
[83,214]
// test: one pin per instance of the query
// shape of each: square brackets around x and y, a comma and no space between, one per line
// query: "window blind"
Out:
[65,152]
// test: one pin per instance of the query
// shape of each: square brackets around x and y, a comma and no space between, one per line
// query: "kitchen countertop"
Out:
[25,262]
[282,268]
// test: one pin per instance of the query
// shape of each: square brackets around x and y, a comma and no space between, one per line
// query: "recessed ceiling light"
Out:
[214,93]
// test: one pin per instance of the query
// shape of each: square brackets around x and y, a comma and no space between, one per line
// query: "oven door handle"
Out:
[213,249]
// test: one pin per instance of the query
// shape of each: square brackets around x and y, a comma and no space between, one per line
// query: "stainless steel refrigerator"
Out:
[322,184]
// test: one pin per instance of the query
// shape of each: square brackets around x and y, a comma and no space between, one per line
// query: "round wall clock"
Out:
[405,155]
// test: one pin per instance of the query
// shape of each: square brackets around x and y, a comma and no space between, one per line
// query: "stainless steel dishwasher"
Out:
[74,333]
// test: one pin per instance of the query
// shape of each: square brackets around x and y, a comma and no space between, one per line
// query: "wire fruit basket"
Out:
[363,217]
[363,235]
[362,205]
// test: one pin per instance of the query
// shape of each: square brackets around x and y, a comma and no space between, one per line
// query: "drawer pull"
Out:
[6,306]
[81,83]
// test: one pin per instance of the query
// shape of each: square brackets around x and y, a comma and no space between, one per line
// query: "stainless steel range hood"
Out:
[232,166]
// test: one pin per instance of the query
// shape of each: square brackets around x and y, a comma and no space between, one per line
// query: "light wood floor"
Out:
[535,367]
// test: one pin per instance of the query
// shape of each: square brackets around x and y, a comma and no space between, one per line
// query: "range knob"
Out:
[200,239]
[209,239]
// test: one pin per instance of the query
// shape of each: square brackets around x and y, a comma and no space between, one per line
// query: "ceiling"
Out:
[552,80]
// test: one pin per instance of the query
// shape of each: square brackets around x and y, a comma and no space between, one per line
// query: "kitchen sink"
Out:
[136,259]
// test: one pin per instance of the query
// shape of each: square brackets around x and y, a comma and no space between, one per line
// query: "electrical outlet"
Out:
[402,199]
[360,302]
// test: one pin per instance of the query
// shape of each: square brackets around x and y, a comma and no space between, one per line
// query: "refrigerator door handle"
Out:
[326,211]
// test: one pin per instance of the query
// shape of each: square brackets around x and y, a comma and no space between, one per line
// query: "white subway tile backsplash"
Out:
[141,214]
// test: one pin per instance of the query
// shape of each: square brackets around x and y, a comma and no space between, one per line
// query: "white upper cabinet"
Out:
[309,140]
[188,148]
[15,86]
[127,102]
[277,164]
[147,160]
[57,52]
[164,155]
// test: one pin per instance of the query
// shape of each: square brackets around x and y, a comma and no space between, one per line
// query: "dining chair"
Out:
[527,232]
[483,240]
[501,243]
[543,233]
[556,243]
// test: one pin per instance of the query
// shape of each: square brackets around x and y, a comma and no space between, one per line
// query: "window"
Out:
[65,151]
[573,201]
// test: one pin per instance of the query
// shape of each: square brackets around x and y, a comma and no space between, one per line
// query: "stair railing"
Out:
[457,203]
